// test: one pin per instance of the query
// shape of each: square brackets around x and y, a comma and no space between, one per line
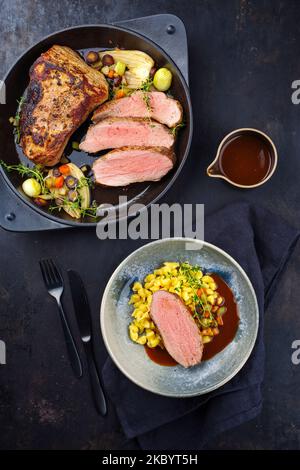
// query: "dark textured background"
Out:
[244,57]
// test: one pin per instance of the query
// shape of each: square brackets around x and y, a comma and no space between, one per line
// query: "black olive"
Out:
[86,169]
[71,182]
[117,80]
[56,172]
[108,60]
[91,175]
[72,195]
[92,57]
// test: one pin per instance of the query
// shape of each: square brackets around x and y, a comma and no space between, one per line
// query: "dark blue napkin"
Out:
[261,243]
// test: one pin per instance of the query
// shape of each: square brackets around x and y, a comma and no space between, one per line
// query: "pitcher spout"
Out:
[213,169]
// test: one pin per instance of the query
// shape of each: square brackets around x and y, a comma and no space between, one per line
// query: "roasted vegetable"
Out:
[117,81]
[71,182]
[49,182]
[72,195]
[105,70]
[120,68]
[56,172]
[31,187]
[59,181]
[162,79]
[40,202]
[64,170]
[83,192]
[120,94]
[138,63]
[97,65]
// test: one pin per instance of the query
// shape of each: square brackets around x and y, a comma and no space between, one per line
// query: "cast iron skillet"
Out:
[83,38]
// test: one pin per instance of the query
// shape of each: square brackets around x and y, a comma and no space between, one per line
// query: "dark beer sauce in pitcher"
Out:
[245,159]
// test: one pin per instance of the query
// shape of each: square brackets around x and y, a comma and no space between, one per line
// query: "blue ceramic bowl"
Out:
[132,359]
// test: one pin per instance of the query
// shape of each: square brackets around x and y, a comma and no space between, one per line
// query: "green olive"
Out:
[31,187]
[162,79]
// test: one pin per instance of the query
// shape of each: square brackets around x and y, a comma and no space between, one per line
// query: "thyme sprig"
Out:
[85,182]
[174,130]
[77,206]
[36,172]
[15,121]
[201,304]
[145,89]
[146,85]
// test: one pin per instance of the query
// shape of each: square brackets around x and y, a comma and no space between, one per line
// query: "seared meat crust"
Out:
[62,92]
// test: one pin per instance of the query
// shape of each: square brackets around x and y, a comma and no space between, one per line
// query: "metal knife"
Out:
[83,314]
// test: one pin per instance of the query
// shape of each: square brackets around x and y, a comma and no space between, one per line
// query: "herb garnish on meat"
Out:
[176,128]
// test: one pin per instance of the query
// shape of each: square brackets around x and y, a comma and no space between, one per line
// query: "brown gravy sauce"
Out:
[245,159]
[160,356]
[227,331]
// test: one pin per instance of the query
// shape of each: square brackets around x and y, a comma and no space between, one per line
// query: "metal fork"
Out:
[55,286]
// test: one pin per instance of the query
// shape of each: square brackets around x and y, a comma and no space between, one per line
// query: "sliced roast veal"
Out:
[179,332]
[155,105]
[132,165]
[119,132]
